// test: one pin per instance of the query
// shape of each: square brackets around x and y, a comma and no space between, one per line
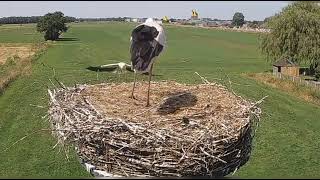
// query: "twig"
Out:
[203,79]
[36,106]
[122,168]
[52,83]
[24,138]
[60,83]
[260,101]
[212,155]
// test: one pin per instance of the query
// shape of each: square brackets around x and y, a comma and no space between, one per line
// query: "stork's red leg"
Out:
[150,75]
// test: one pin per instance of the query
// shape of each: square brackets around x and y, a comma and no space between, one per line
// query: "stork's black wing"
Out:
[100,69]
[144,33]
[144,47]
[129,68]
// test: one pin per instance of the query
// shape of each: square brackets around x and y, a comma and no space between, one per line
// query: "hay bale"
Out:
[189,130]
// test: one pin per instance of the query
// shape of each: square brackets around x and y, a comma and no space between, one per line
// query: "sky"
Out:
[252,10]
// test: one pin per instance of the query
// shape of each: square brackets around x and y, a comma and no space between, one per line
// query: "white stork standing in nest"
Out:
[148,40]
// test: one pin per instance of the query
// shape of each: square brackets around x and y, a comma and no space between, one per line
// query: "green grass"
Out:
[287,140]
[17,33]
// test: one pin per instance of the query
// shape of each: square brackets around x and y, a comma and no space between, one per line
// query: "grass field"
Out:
[287,140]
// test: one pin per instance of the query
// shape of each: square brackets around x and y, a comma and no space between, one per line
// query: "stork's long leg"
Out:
[119,72]
[134,84]
[150,75]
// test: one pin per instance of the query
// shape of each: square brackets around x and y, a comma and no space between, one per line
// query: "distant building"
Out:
[196,22]
[142,20]
[210,24]
[286,66]
[206,19]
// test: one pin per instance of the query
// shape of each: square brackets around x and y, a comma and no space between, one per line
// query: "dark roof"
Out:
[285,63]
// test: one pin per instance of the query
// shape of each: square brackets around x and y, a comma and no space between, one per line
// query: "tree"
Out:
[53,24]
[238,19]
[70,19]
[295,33]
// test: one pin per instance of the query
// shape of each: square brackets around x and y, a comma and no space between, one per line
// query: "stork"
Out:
[119,68]
[148,40]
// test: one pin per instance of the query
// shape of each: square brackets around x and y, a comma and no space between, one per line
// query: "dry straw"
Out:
[191,130]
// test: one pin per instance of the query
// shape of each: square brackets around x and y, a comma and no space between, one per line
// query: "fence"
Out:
[298,80]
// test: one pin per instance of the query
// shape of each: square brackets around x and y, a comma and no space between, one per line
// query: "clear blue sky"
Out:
[252,10]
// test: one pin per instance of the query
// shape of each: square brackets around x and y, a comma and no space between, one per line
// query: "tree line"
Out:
[29,19]
[102,19]
[239,21]
[36,19]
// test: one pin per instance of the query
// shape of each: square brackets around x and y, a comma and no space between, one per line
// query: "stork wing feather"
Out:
[115,65]
[129,68]
[99,68]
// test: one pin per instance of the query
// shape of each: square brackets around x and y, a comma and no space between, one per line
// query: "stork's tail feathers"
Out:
[142,65]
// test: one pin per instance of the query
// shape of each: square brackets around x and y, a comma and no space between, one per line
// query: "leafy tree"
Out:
[238,19]
[70,19]
[53,24]
[267,19]
[295,33]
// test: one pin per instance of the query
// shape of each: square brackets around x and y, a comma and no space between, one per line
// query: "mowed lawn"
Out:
[287,141]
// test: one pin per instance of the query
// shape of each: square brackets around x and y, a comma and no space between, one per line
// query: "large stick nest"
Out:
[189,130]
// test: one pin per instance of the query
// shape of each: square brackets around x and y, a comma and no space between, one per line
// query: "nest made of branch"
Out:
[189,130]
